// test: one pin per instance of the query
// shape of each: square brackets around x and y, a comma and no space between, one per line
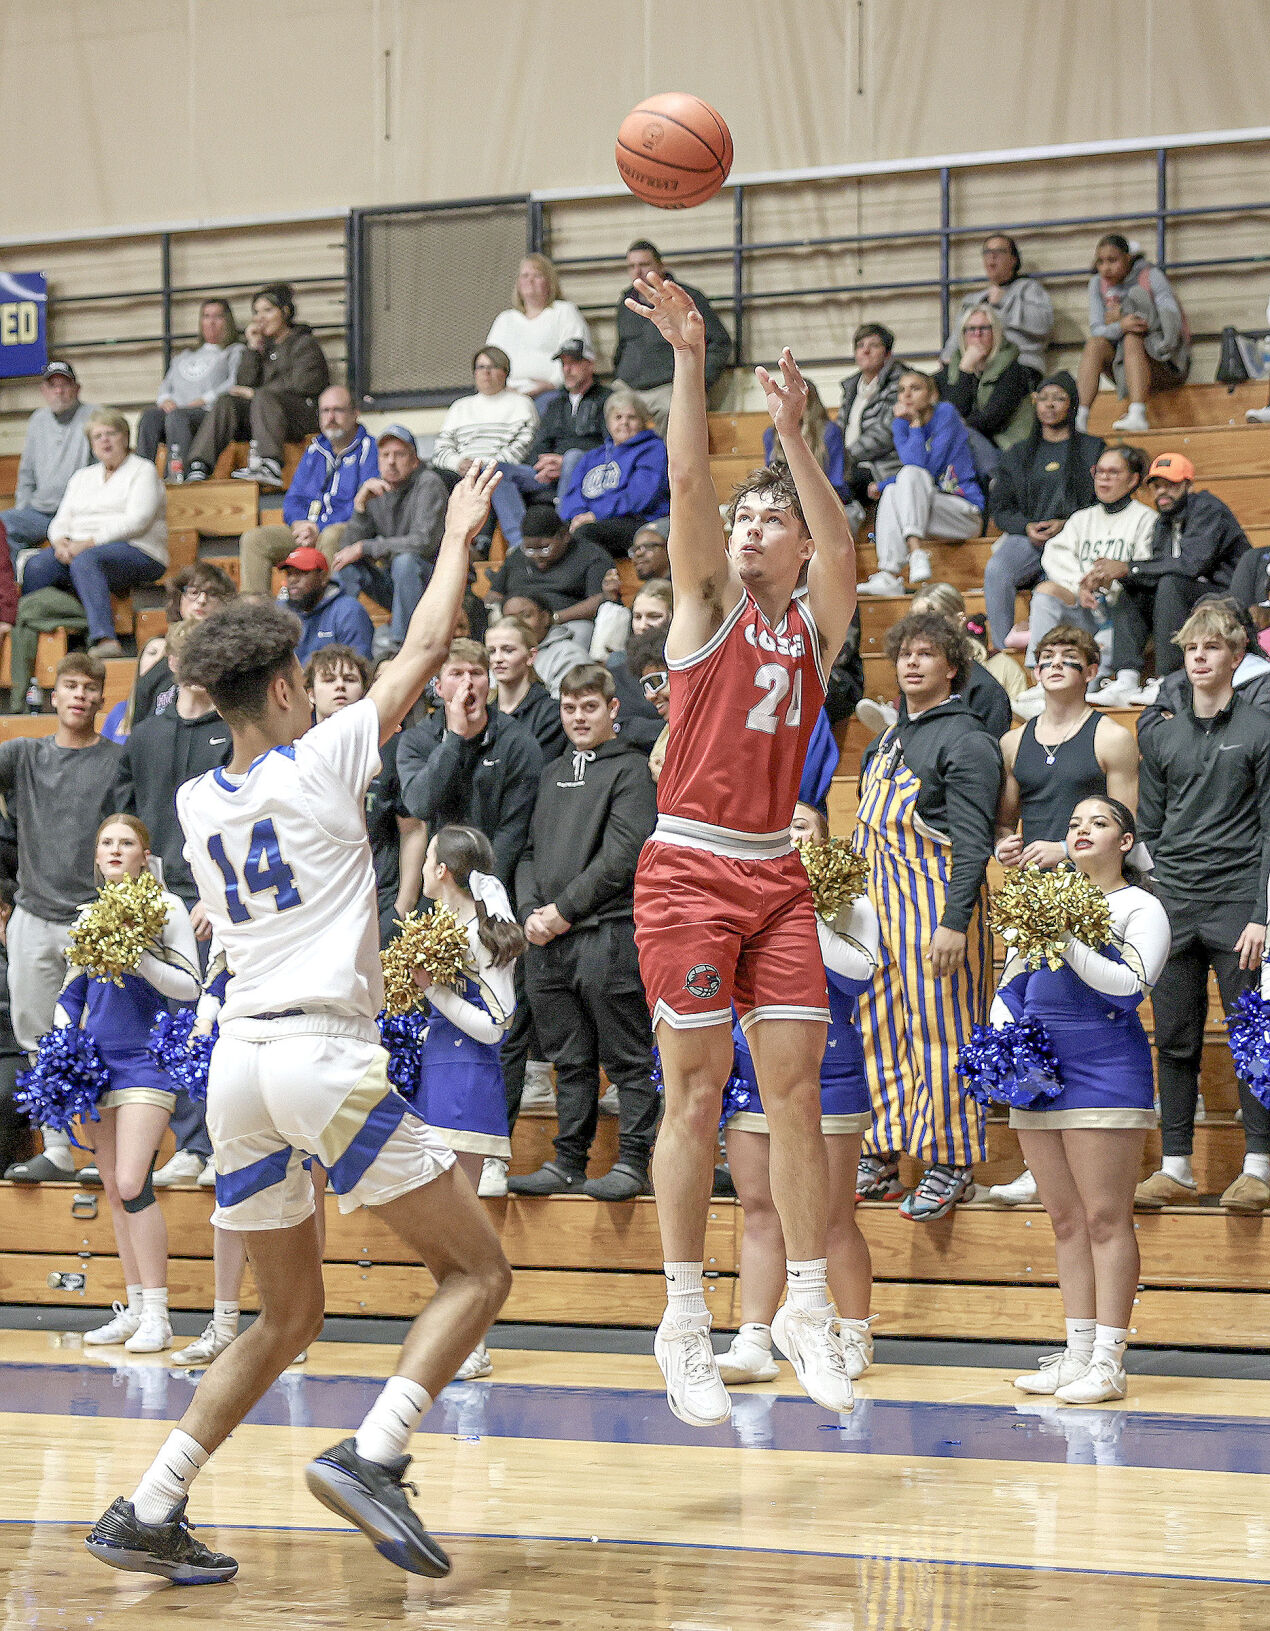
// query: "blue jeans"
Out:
[520,483]
[94,575]
[1015,563]
[27,527]
[397,585]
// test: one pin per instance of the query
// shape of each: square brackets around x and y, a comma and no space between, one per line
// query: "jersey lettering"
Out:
[774,679]
[263,870]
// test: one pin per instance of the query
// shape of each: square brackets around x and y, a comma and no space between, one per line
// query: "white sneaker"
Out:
[876,716]
[203,1349]
[184,1168]
[1022,1192]
[1145,695]
[115,1330]
[207,1178]
[857,1343]
[749,1359]
[1258,416]
[1053,1372]
[1103,1380]
[153,1334]
[918,567]
[1115,694]
[493,1184]
[1134,420]
[477,1364]
[1029,704]
[540,1087]
[694,1388]
[814,1346]
[610,1103]
[882,583]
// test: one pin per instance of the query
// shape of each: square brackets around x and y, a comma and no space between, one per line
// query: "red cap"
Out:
[1172,467]
[305,559]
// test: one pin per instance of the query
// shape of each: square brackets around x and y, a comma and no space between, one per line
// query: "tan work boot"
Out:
[1161,1190]
[1248,1193]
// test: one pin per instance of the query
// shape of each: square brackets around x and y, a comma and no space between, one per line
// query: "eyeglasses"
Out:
[189,593]
[978,328]
[654,682]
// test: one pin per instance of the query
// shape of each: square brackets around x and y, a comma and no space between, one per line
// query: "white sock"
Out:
[808,1285]
[225,1319]
[760,1335]
[391,1421]
[155,1301]
[134,1300]
[683,1289]
[57,1147]
[1129,677]
[1178,1167]
[1258,1166]
[1110,1342]
[168,1480]
[1080,1338]
[1082,420]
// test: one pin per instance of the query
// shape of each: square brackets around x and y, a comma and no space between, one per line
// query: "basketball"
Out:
[674,150]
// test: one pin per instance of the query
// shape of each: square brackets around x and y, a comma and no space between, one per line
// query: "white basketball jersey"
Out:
[283,866]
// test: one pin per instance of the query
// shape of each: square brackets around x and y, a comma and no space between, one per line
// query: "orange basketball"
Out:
[674,150]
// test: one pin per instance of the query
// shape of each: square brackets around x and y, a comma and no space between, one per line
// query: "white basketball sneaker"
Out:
[749,1359]
[1103,1380]
[152,1335]
[814,1346]
[857,1344]
[477,1364]
[203,1349]
[1053,1372]
[115,1330]
[1021,1192]
[493,1184]
[694,1388]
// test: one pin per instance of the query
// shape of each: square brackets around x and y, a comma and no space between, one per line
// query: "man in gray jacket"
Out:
[56,446]
[868,407]
[390,544]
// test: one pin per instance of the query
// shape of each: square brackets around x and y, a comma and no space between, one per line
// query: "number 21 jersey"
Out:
[283,866]
[742,710]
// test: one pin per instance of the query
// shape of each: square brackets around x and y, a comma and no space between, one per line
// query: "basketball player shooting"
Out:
[722,908]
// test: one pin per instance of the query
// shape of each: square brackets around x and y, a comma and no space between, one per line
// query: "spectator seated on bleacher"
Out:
[110,533]
[637,718]
[117,725]
[985,381]
[650,551]
[335,467]
[622,484]
[191,385]
[533,329]
[936,492]
[193,594]
[1251,679]
[824,438]
[653,604]
[646,660]
[1039,483]
[1137,329]
[868,407]
[565,571]
[54,448]
[493,423]
[328,616]
[520,694]
[643,361]
[555,650]
[281,373]
[1196,546]
[389,546]
[572,424]
[1020,301]
[1250,589]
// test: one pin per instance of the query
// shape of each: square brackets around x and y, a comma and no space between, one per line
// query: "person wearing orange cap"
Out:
[328,616]
[1195,548]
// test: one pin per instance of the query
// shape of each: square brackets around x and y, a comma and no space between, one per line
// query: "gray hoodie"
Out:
[55,448]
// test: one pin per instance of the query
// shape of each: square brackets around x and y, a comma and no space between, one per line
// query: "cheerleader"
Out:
[460,1089]
[850,949]
[135,1109]
[1085,1146]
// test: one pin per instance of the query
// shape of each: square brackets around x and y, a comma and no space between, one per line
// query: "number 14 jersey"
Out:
[742,710]
[283,865]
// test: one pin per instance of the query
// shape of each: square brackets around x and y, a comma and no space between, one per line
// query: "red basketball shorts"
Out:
[714,932]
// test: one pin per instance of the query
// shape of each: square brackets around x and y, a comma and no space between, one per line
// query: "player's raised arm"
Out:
[831,577]
[431,627]
[706,587]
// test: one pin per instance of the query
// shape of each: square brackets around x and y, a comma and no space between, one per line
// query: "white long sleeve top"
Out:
[127,506]
[1097,534]
[532,342]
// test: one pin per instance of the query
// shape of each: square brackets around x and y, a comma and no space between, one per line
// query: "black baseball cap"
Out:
[59,370]
[578,349]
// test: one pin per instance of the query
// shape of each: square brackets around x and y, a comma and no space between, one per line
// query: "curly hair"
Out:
[946,638]
[774,479]
[237,651]
[198,575]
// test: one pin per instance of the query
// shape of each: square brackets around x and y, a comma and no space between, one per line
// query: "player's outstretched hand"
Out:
[787,396]
[671,309]
[470,500]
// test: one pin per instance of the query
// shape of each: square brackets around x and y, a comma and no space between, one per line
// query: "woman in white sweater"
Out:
[535,327]
[109,535]
[495,423]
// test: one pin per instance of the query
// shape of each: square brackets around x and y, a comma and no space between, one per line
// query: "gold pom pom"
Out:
[837,874]
[437,942]
[127,918]
[1036,911]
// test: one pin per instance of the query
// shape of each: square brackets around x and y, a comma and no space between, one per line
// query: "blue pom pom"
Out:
[185,1061]
[1014,1065]
[68,1077]
[737,1096]
[403,1036]
[1249,1028]
[657,1078]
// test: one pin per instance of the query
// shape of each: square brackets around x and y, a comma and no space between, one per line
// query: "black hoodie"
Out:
[1199,538]
[162,752]
[539,712]
[595,810]
[1038,480]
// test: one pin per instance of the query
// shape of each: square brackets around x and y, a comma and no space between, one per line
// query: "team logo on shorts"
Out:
[703,981]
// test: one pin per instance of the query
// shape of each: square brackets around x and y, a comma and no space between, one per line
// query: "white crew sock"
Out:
[1129,677]
[168,1480]
[1082,420]
[1258,1166]
[1110,1342]
[1178,1167]
[135,1295]
[1080,1338]
[683,1289]
[225,1319]
[155,1301]
[391,1421]
[57,1147]
[759,1335]
[808,1285]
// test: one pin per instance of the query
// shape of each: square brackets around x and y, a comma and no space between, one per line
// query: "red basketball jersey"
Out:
[742,710]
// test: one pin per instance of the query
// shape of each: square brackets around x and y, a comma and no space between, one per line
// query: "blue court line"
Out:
[1035,1431]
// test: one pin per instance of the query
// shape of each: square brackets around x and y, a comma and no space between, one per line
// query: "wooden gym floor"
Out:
[570,1496]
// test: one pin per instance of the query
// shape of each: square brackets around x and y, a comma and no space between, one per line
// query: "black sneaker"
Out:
[40,1170]
[550,1179]
[120,1539]
[373,1497]
[196,472]
[623,1182]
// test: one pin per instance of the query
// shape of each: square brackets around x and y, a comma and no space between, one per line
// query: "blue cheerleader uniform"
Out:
[1088,1007]
[850,950]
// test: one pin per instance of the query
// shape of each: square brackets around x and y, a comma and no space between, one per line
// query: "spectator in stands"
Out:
[532,331]
[638,717]
[117,725]
[824,437]
[1251,679]
[985,381]
[595,808]
[327,615]
[110,533]
[647,660]
[986,693]
[868,407]
[649,554]
[335,468]
[622,484]
[1196,546]
[1020,301]
[193,594]
[54,448]
[468,765]
[846,680]
[936,493]
[389,546]
[281,374]
[494,423]
[572,424]
[1250,585]
[8,587]
[642,360]
[521,695]
[1137,329]
[555,652]
[1040,482]
[567,572]
[192,383]
[58,791]
[1205,821]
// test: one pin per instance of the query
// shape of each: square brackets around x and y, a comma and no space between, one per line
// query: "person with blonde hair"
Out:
[519,693]
[535,327]
[616,489]
[985,381]
[824,438]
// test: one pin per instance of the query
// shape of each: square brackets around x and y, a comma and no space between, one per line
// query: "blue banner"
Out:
[23,325]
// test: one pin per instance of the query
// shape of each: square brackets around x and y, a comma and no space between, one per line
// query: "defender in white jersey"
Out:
[277,844]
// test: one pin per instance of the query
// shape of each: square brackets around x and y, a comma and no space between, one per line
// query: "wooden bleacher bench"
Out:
[214,509]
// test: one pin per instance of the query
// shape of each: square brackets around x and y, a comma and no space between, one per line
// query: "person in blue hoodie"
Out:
[320,498]
[328,617]
[615,489]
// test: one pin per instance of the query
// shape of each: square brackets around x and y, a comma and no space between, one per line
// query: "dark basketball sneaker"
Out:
[373,1497]
[120,1539]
